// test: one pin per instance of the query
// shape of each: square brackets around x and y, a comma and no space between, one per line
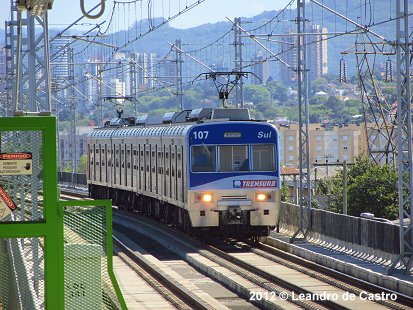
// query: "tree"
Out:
[284,192]
[81,167]
[370,188]
[256,94]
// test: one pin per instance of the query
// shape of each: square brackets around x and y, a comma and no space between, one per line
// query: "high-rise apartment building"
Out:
[145,69]
[316,54]
[260,69]
[59,61]
[331,144]
[93,86]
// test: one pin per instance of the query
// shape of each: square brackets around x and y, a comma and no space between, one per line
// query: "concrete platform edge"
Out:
[384,280]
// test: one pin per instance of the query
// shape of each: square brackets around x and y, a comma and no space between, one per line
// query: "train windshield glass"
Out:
[263,157]
[203,158]
[233,158]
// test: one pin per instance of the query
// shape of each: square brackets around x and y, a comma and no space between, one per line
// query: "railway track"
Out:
[264,276]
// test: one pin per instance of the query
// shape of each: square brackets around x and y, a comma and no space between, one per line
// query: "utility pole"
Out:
[345,187]
[239,92]
[404,121]
[29,53]
[304,149]
[179,87]
[132,77]
[72,107]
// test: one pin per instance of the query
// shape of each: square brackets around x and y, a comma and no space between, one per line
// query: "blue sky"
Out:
[65,12]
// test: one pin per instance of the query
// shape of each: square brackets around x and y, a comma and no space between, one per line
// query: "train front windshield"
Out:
[231,158]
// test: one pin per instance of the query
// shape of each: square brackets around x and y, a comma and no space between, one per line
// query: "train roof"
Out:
[171,124]
[182,117]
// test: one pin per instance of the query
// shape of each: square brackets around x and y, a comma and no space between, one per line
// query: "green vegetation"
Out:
[370,188]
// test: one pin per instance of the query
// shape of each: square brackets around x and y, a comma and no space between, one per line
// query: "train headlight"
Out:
[206,198]
[263,197]
[203,197]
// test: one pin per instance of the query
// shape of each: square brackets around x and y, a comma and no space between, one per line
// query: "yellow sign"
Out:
[16,163]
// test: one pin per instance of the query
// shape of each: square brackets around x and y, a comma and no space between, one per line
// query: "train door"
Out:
[99,162]
[140,166]
[133,165]
[105,163]
[110,164]
[176,174]
[116,168]
[180,168]
[155,169]
[164,167]
[152,172]
[127,165]
[94,161]
[97,159]
[168,172]
[147,159]
[89,157]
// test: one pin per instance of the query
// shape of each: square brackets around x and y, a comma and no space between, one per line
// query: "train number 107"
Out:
[201,134]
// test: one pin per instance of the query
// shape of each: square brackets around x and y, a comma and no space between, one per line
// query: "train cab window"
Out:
[263,157]
[233,158]
[203,158]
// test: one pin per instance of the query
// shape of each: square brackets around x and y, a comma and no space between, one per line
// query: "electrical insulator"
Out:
[389,71]
[343,71]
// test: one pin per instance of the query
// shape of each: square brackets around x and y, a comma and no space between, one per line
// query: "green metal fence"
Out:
[89,279]
[38,252]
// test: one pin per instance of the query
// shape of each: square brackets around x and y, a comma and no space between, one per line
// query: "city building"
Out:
[260,69]
[65,147]
[317,49]
[327,145]
[93,84]
[59,64]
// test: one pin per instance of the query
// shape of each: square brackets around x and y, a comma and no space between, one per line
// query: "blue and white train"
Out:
[208,171]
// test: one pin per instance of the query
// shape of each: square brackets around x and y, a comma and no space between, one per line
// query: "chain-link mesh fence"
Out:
[22,281]
[87,282]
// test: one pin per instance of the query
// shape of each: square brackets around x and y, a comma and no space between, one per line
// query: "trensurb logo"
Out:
[254,183]
[237,184]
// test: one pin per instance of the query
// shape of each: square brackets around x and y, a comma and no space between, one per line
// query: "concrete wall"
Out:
[361,237]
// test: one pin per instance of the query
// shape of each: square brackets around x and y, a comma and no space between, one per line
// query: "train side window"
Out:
[203,158]
[263,157]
